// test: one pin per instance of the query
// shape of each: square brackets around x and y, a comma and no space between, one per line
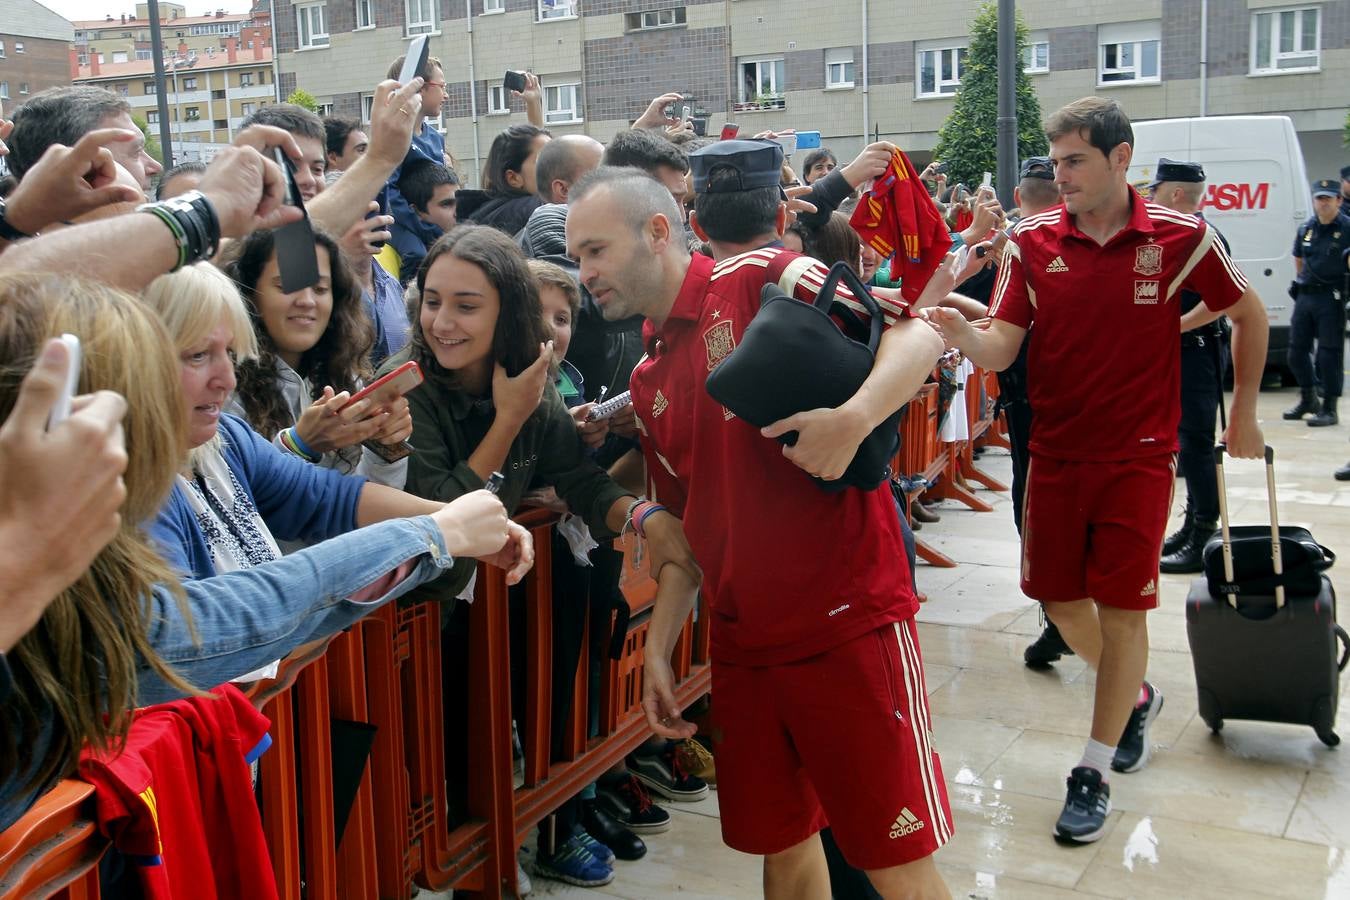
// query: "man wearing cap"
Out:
[1180,186]
[1345,190]
[816,670]
[1318,313]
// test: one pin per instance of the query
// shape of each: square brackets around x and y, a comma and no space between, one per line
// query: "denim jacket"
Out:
[248,618]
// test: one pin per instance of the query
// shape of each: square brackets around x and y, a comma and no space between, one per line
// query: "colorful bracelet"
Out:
[290,439]
[641,516]
[628,516]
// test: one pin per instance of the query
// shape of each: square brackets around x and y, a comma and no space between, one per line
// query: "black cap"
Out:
[1037,167]
[1172,170]
[760,164]
[1326,187]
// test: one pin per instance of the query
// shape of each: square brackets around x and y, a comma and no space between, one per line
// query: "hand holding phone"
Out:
[384,391]
[415,60]
[729,131]
[61,408]
[515,81]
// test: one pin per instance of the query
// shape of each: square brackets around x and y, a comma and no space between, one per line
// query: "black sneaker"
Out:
[1046,649]
[629,803]
[1085,808]
[1134,749]
[665,774]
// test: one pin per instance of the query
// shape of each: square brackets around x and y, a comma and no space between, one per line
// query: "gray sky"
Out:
[76,10]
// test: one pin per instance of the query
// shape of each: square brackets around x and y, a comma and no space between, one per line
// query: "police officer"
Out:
[1318,313]
[1180,186]
[1345,190]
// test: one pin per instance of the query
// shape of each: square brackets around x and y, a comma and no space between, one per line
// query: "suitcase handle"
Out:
[1276,555]
[1345,648]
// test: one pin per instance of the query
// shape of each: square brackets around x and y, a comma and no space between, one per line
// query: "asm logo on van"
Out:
[1227,197]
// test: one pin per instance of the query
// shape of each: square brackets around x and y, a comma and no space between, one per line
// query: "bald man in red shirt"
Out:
[1100,276]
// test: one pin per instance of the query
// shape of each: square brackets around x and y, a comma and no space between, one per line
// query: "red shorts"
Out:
[1095,529]
[841,739]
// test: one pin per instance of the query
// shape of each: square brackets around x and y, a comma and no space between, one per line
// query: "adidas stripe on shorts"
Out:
[842,739]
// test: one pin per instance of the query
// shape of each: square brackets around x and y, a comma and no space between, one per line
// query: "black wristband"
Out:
[197,219]
[8,231]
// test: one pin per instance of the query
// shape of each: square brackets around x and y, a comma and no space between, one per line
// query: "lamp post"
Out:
[161,101]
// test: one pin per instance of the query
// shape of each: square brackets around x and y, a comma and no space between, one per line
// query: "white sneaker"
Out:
[523,885]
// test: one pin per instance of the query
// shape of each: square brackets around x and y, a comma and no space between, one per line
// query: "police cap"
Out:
[759,164]
[1326,187]
[1037,167]
[1172,170]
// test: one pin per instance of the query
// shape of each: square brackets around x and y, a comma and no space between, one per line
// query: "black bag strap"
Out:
[1345,648]
[842,271]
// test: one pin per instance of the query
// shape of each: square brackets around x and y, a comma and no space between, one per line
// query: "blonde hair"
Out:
[79,663]
[194,300]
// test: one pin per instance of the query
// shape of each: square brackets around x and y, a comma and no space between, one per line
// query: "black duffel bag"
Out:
[793,357]
[1253,571]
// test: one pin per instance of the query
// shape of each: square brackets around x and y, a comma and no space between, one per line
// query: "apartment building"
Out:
[33,42]
[848,70]
[209,93]
[126,38]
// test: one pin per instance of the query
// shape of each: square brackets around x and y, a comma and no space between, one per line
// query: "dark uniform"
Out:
[1318,312]
[1201,390]
[1345,190]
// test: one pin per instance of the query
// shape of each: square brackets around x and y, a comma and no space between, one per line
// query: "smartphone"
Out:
[378,245]
[515,81]
[609,407]
[685,114]
[61,408]
[297,260]
[808,140]
[729,131]
[987,183]
[700,127]
[941,168]
[388,388]
[416,59]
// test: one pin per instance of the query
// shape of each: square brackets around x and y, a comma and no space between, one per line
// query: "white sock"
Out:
[1097,755]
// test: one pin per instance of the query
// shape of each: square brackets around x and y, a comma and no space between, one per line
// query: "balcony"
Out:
[760,104]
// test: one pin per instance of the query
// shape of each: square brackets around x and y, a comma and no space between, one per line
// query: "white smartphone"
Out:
[414,60]
[61,409]
[988,181]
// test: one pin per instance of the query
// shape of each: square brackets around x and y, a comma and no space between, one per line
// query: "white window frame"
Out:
[555,10]
[1272,66]
[18,47]
[2,51]
[653,19]
[192,114]
[1133,37]
[493,7]
[942,51]
[840,70]
[152,117]
[416,22]
[245,79]
[555,112]
[247,109]
[365,14]
[190,84]
[4,90]
[120,56]
[23,88]
[307,35]
[1029,64]
[495,93]
[775,64]
[367,107]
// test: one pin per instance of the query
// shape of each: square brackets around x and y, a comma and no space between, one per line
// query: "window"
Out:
[143,54]
[423,16]
[762,80]
[311,26]
[218,94]
[365,14]
[560,104]
[1286,40]
[190,84]
[247,109]
[246,79]
[325,110]
[18,46]
[1036,57]
[193,114]
[23,87]
[149,88]
[122,89]
[152,117]
[839,67]
[493,6]
[119,56]
[83,59]
[940,70]
[657,18]
[557,9]
[4,90]
[497,102]
[2,50]
[222,124]
[367,106]
[1129,53]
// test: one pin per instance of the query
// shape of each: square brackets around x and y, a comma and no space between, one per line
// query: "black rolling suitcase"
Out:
[1271,657]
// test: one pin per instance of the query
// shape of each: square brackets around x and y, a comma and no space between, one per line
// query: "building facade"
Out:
[125,38]
[209,94]
[850,71]
[33,42]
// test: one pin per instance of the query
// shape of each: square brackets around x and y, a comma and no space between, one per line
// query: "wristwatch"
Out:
[7,231]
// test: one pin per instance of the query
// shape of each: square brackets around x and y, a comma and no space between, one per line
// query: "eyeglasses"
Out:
[439,84]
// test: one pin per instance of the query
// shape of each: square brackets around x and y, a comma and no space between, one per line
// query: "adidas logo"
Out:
[1057,265]
[906,823]
[1149,589]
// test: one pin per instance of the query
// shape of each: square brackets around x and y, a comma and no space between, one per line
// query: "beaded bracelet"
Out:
[290,439]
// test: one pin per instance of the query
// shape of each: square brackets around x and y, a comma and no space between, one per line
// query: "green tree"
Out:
[302,97]
[968,141]
[1346,139]
[151,140]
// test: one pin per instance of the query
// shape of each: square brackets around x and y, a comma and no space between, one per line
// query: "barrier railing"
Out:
[54,848]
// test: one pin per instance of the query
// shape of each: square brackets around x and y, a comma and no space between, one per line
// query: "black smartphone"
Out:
[515,81]
[297,261]
[941,168]
[378,245]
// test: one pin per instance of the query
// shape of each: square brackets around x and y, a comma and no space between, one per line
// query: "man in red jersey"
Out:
[821,714]
[1100,277]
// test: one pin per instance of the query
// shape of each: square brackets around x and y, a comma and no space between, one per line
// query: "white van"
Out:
[1256,193]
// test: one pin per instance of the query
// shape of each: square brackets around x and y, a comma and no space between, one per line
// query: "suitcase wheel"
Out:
[1330,738]
[1216,724]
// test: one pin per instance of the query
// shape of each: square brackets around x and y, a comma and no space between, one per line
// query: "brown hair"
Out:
[78,666]
[552,275]
[396,69]
[835,241]
[1103,120]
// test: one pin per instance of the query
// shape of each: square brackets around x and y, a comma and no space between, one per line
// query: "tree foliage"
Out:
[151,140]
[1346,139]
[968,140]
[303,98]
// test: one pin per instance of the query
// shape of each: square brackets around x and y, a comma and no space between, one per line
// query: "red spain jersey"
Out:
[1104,363]
[790,570]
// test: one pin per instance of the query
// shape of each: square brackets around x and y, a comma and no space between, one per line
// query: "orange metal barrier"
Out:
[54,849]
